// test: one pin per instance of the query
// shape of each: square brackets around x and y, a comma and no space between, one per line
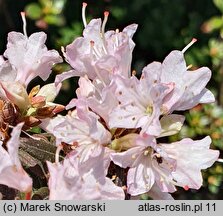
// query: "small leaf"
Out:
[41,194]
[27,160]
[36,130]
[213,24]
[40,149]
[54,20]
[219,4]
[33,11]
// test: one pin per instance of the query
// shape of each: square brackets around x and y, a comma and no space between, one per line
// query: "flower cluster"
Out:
[114,123]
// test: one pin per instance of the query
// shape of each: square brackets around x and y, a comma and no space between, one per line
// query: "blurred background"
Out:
[163,26]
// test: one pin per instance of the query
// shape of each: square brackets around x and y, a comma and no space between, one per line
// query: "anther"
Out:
[134,73]
[186,188]
[189,66]
[91,48]
[92,43]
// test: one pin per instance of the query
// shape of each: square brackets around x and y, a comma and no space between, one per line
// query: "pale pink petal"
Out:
[11,172]
[7,73]
[156,194]
[127,158]
[141,178]
[130,30]
[189,87]
[188,170]
[30,57]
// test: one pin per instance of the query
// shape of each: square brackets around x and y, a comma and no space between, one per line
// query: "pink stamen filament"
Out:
[163,175]
[189,45]
[84,5]
[93,50]
[23,15]
[116,37]
[57,155]
[106,14]
[220,160]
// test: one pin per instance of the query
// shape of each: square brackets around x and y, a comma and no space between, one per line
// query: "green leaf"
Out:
[58,6]
[54,20]
[35,130]
[33,11]
[219,4]
[40,149]
[41,194]
[213,24]
[46,3]
[118,13]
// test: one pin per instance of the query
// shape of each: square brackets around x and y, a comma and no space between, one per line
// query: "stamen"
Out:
[149,110]
[63,51]
[84,5]
[116,37]
[163,176]
[91,48]
[189,66]
[57,155]
[23,15]
[189,45]
[106,14]
[156,155]
[146,152]
[134,73]
[220,160]
[99,76]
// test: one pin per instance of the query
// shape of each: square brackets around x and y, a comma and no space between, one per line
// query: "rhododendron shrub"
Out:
[108,144]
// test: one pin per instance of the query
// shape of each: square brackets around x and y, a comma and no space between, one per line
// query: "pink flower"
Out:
[11,172]
[189,85]
[81,127]
[98,54]
[29,57]
[99,98]
[167,165]
[191,156]
[140,104]
[82,181]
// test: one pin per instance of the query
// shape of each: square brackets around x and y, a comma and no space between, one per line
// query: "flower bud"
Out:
[15,93]
[48,91]
[124,143]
